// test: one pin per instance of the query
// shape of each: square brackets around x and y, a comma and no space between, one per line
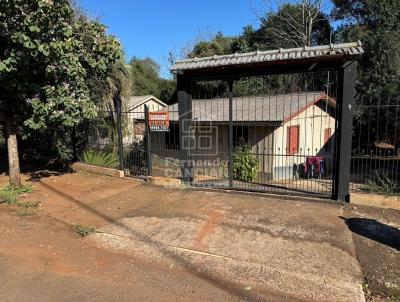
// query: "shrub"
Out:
[9,194]
[382,184]
[83,230]
[245,165]
[100,158]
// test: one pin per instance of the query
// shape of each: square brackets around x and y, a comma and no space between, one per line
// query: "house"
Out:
[282,130]
[135,114]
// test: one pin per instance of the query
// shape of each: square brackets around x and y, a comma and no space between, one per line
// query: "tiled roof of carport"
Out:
[348,49]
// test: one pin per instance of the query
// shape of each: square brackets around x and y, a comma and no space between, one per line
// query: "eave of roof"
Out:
[346,51]
[273,108]
[140,100]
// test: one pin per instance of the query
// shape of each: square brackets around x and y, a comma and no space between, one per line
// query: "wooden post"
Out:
[12,149]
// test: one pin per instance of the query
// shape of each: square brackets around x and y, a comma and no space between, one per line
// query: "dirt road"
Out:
[158,244]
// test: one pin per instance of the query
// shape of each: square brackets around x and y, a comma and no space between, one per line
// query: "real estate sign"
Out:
[158,121]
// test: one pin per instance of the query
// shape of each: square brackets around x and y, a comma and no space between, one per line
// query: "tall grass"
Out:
[100,158]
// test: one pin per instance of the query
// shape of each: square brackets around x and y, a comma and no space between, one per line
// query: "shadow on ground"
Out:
[37,169]
[375,230]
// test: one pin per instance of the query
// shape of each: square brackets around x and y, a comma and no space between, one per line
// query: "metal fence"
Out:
[121,139]
[282,129]
[283,140]
[375,166]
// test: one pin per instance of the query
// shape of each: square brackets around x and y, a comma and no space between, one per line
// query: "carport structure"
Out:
[231,70]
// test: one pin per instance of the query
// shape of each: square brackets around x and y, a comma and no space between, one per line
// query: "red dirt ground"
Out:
[43,259]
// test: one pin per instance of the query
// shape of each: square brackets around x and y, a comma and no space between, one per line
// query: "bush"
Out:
[100,158]
[83,230]
[245,165]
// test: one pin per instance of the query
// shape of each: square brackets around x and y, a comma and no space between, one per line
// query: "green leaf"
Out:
[34,28]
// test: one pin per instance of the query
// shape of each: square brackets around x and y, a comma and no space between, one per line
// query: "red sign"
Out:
[158,121]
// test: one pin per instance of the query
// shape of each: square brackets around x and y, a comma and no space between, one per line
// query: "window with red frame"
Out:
[293,135]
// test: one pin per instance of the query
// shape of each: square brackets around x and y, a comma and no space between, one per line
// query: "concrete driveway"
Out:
[302,250]
[229,247]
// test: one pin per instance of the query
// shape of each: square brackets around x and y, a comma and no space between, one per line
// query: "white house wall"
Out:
[312,122]
[138,112]
[135,118]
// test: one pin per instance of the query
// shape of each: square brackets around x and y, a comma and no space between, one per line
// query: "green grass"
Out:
[83,230]
[100,158]
[382,184]
[26,212]
[27,208]
[9,194]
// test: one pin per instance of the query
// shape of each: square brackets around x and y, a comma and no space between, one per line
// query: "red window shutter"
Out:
[327,135]
[293,136]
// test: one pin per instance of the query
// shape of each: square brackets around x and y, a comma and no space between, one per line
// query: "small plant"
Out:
[26,212]
[83,230]
[365,287]
[9,194]
[28,204]
[245,165]
[100,158]
[382,184]
[27,208]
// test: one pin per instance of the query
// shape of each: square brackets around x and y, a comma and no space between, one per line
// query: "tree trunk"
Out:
[12,149]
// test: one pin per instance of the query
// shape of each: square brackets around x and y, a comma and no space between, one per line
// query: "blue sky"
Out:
[154,27]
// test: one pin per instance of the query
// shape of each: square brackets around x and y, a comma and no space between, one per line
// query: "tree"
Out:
[218,45]
[144,76]
[285,25]
[145,80]
[294,24]
[47,56]
[376,24]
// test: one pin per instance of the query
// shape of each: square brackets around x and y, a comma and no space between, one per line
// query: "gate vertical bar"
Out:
[185,127]
[345,103]
[148,142]
[120,138]
[230,133]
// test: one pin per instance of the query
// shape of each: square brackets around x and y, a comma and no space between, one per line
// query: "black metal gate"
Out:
[276,121]
[265,134]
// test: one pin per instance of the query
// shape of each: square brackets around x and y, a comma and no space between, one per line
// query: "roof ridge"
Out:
[279,50]
[351,49]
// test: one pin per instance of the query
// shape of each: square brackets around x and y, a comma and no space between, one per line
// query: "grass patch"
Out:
[83,230]
[382,184]
[9,194]
[24,212]
[27,208]
[28,204]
